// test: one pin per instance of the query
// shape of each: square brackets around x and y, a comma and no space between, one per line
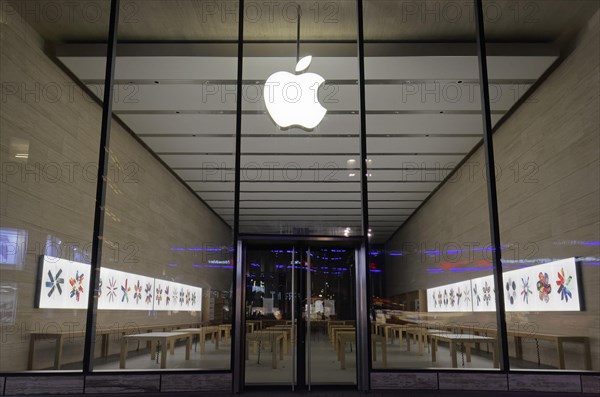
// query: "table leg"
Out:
[172,346]
[495,354]
[32,339]
[407,340]
[123,355]
[188,347]
[58,351]
[561,354]
[202,341]
[152,349]
[374,349]
[281,343]
[587,353]
[518,347]
[105,343]
[468,349]
[217,340]
[453,354]
[163,353]
[343,355]
[273,352]
[433,348]
[384,354]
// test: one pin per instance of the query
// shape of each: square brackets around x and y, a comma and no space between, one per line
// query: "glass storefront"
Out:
[328,293]
[300,314]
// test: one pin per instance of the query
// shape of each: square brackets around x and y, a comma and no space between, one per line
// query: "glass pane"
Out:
[430,261]
[547,171]
[332,313]
[300,128]
[270,340]
[49,143]
[166,276]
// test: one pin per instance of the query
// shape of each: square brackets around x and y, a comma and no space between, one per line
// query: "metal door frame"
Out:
[362,319]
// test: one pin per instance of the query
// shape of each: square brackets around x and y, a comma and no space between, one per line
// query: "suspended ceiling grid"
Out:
[423,117]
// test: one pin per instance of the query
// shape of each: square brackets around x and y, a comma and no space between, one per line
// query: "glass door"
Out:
[300,313]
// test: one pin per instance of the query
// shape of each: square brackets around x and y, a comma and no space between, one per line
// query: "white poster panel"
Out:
[551,286]
[63,284]
[169,295]
[483,294]
[455,297]
[119,290]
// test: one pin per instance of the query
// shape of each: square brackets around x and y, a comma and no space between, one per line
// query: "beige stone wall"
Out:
[547,209]
[51,195]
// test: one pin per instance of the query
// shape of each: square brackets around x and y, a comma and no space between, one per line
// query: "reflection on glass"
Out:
[312,288]
[547,177]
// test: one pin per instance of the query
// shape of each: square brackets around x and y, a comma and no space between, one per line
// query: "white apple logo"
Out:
[292,99]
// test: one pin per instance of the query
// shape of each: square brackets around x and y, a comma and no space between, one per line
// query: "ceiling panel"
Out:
[191,144]
[310,161]
[292,173]
[217,68]
[424,186]
[435,96]
[312,197]
[300,204]
[303,145]
[423,117]
[321,187]
[422,145]
[181,123]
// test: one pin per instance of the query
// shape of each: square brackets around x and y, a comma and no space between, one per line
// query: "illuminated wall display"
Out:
[552,286]
[64,284]
[450,298]
[484,294]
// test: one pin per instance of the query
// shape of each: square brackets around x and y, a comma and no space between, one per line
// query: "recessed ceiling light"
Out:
[351,175]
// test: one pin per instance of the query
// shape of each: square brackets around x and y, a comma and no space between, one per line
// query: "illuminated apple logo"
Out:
[292,99]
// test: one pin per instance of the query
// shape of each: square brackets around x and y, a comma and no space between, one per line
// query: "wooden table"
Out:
[257,323]
[105,333]
[375,339]
[154,338]
[559,340]
[59,337]
[275,339]
[337,328]
[343,338]
[212,330]
[226,328]
[283,332]
[519,335]
[422,336]
[288,330]
[396,329]
[466,340]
